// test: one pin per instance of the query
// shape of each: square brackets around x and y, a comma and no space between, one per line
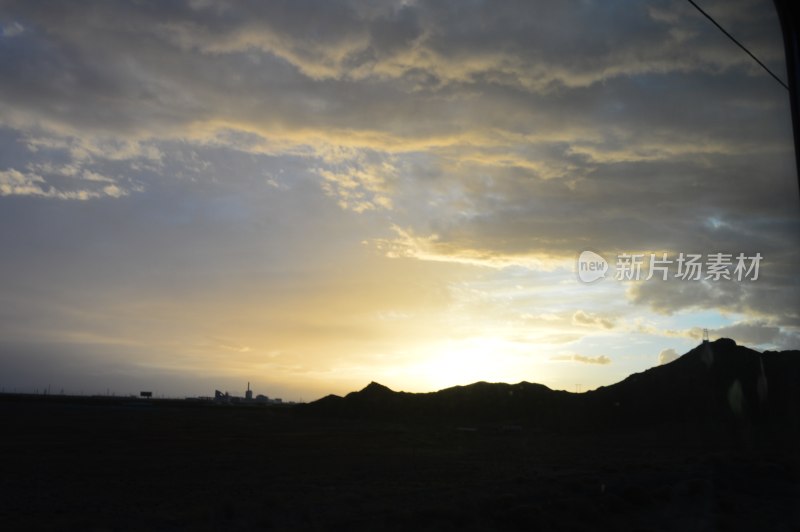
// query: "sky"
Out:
[312,195]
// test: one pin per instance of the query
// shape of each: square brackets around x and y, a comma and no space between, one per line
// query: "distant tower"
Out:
[249,393]
[705,336]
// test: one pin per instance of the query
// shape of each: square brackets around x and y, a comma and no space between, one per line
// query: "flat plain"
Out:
[127,464]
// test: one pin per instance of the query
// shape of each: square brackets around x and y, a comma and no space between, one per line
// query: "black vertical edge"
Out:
[788,14]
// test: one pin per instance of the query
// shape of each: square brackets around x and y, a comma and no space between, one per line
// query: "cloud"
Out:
[431,248]
[507,44]
[509,132]
[16,183]
[771,298]
[360,182]
[233,347]
[759,333]
[601,359]
[666,356]
[593,320]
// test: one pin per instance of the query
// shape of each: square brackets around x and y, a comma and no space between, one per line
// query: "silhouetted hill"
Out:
[373,389]
[480,401]
[716,382]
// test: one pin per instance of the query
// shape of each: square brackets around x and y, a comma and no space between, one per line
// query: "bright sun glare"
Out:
[469,360]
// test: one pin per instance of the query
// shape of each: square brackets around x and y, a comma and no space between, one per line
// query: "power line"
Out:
[740,45]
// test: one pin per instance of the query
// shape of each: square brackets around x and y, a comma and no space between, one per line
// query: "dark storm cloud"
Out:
[335,64]
[758,333]
[534,123]
[773,296]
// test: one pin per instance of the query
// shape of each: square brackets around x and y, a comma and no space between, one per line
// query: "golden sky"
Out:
[312,195]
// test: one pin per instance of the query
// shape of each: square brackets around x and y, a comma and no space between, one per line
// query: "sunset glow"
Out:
[310,196]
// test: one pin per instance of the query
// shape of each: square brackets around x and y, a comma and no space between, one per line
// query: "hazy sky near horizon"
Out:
[311,195]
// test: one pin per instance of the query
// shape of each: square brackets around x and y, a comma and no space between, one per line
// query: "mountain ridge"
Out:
[719,382]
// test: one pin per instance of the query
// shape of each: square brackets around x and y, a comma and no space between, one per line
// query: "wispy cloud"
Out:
[592,320]
[15,183]
[666,356]
[601,359]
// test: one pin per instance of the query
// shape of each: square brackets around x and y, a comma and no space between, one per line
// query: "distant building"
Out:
[226,398]
[220,397]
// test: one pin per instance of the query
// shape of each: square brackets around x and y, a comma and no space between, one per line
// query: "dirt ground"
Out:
[137,465]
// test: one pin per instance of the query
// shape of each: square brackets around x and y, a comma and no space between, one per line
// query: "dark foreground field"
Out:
[80,464]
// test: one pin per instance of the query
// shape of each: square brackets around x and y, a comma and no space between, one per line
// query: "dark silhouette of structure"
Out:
[789,15]
[221,397]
